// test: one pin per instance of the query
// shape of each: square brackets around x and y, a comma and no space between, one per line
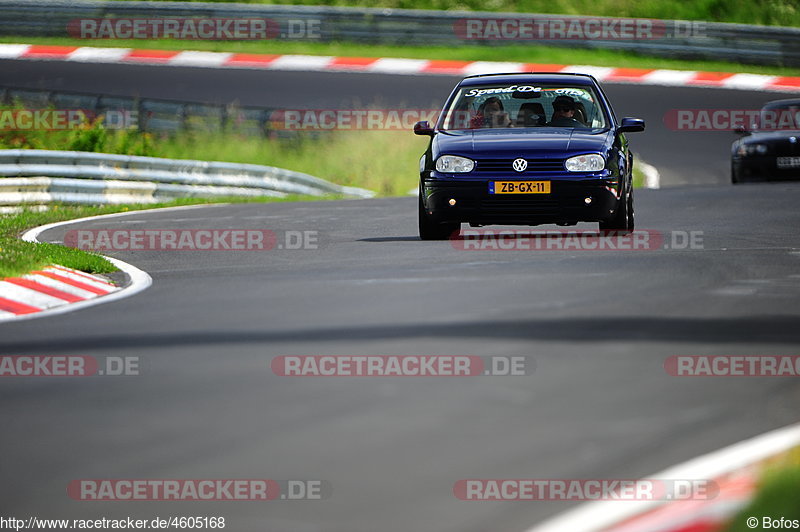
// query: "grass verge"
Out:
[776,496]
[516,53]
[385,161]
[639,177]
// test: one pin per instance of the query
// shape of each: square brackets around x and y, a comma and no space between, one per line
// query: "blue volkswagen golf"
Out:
[526,149]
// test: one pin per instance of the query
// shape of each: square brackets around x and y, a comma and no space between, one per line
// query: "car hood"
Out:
[772,136]
[527,142]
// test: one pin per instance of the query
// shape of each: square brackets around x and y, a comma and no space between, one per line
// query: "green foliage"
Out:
[776,497]
[87,136]
[769,12]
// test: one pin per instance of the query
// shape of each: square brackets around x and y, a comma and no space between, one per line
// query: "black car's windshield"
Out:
[524,105]
[781,116]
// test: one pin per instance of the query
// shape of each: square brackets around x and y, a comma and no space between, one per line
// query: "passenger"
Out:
[530,115]
[491,114]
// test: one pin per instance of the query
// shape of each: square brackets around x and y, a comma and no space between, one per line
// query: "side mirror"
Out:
[631,125]
[423,128]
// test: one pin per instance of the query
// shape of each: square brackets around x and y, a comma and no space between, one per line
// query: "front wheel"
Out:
[430,229]
[623,221]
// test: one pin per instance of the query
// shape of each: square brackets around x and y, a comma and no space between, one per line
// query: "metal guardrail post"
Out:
[141,116]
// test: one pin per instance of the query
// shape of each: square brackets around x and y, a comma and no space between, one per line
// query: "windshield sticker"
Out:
[573,92]
[502,90]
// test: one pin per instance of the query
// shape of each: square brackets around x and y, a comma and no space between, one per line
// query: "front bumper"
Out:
[762,168]
[564,204]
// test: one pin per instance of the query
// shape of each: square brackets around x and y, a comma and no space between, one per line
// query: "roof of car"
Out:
[782,103]
[529,77]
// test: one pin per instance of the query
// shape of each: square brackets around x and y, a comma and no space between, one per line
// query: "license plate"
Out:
[788,162]
[519,187]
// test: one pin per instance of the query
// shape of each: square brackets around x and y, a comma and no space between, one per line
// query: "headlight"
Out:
[751,149]
[592,162]
[454,164]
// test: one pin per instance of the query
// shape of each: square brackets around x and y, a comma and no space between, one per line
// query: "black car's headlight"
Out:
[752,149]
[592,162]
[453,164]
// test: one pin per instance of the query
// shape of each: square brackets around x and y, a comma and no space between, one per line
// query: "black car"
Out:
[770,148]
[526,149]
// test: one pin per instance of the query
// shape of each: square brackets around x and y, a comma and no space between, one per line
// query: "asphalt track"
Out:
[597,324]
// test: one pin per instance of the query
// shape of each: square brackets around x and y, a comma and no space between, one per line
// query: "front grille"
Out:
[505,165]
[512,206]
[785,148]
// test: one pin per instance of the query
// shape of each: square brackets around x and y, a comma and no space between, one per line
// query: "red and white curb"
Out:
[390,65]
[735,492]
[734,469]
[51,287]
[57,290]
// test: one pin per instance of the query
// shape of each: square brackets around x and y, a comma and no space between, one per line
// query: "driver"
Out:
[564,112]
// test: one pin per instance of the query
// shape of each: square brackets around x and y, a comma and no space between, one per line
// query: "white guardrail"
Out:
[40,177]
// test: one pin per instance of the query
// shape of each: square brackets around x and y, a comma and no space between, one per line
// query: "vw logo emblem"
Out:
[519,165]
[793,140]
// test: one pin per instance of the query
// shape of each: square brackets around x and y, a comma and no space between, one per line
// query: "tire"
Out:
[734,177]
[623,220]
[430,229]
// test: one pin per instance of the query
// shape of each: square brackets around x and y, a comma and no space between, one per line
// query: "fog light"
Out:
[452,202]
[587,201]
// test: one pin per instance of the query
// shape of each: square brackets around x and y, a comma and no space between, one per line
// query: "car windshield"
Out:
[783,116]
[524,106]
